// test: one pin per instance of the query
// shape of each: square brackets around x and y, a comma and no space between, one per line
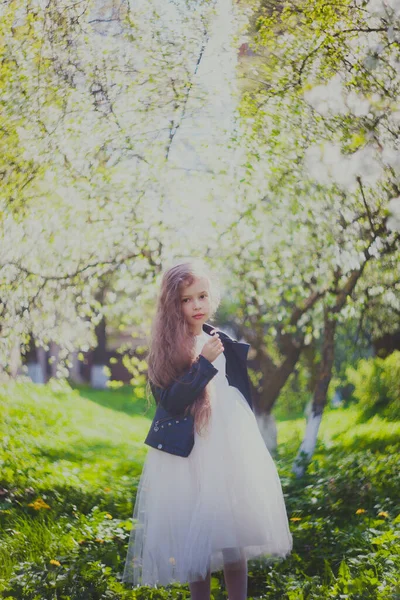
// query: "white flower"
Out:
[357,104]
[393,221]
[391,157]
[313,163]
[327,98]
[381,8]
[366,165]
[326,164]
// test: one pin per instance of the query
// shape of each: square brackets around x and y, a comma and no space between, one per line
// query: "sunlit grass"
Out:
[71,460]
[342,427]
[72,438]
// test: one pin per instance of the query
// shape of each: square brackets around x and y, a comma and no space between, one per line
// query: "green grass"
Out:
[81,451]
[342,428]
[72,436]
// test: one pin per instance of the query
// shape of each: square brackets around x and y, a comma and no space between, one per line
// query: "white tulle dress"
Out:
[221,503]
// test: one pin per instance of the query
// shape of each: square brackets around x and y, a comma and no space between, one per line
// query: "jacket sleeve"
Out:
[183,392]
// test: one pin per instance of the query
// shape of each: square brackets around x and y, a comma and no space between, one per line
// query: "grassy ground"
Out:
[70,462]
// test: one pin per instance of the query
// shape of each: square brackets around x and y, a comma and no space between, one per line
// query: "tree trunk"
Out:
[35,372]
[325,370]
[34,367]
[273,379]
[267,426]
[75,371]
[307,447]
[309,356]
[42,359]
[54,351]
[98,378]
[15,359]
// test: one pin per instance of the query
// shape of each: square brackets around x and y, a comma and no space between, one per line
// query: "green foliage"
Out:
[65,508]
[377,385]
[294,395]
[323,104]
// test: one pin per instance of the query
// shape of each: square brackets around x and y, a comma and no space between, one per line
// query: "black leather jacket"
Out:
[172,431]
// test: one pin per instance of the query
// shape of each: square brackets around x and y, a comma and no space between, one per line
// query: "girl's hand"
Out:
[212,348]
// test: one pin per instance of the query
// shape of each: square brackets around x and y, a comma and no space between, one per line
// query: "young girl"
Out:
[209,496]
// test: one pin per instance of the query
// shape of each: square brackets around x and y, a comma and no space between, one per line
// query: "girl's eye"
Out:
[202,296]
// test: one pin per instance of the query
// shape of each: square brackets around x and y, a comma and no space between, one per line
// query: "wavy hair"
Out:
[172,346]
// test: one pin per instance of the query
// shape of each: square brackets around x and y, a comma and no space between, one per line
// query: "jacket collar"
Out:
[240,348]
[224,336]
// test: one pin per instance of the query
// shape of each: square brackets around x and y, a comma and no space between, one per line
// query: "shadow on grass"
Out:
[88,453]
[122,400]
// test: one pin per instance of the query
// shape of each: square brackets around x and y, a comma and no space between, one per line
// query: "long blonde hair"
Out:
[172,346]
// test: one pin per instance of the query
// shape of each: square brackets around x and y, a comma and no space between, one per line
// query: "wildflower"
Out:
[38,504]
[295,518]
[55,562]
[99,540]
[108,516]
[172,560]
[107,489]
[383,513]
[360,511]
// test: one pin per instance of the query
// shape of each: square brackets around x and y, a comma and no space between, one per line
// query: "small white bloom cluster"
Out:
[332,98]
[393,221]
[382,8]
[327,164]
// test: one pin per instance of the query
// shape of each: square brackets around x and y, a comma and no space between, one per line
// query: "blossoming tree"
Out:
[320,187]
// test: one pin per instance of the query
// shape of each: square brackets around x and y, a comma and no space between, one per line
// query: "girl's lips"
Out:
[197,316]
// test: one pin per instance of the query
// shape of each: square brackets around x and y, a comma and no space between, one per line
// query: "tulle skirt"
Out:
[220,504]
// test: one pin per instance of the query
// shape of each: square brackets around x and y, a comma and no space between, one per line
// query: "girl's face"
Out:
[195,300]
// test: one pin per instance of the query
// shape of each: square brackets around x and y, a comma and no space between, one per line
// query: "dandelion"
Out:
[38,504]
[383,513]
[55,562]
[295,518]
[360,511]
[172,560]
[107,489]
[108,516]
[99,540]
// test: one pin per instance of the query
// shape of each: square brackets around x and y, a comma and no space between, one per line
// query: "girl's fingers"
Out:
[216,341]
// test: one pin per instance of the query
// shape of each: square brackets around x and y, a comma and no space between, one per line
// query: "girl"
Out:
[209,496]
